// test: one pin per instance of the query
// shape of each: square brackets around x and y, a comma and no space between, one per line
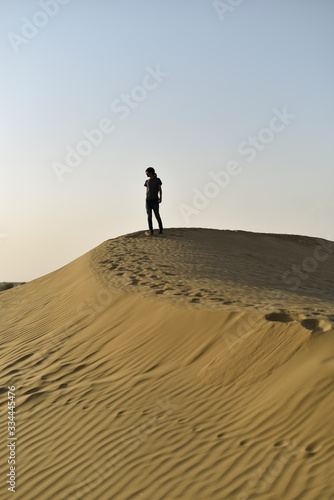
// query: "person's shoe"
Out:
[149,233]
[161,232]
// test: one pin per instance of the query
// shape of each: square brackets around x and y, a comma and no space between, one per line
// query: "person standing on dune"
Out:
[153,198]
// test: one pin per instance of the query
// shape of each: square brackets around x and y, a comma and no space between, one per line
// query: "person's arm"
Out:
[160,193]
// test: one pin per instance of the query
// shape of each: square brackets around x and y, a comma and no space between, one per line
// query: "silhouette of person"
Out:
[153,198]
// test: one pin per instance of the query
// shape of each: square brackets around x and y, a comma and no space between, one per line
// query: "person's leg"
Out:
[149,215]
[157,215]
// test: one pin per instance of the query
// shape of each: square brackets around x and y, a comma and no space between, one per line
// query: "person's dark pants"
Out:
[153,205]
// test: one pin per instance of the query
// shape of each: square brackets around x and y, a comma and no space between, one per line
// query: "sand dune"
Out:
[194,366]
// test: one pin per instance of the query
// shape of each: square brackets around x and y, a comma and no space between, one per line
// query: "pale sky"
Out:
[230,101]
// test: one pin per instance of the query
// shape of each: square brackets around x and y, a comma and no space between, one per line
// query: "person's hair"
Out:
[151,169]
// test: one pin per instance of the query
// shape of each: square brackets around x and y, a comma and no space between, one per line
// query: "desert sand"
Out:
[196,365]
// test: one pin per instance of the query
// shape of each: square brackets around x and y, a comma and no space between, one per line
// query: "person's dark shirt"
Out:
[152,188]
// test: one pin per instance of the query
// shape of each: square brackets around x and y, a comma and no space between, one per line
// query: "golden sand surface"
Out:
[194,365]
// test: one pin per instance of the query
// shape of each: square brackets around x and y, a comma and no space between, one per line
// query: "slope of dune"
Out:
[198,365]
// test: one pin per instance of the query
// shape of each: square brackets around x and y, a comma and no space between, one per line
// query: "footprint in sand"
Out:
[316,325]
[311,449]
[280,317]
